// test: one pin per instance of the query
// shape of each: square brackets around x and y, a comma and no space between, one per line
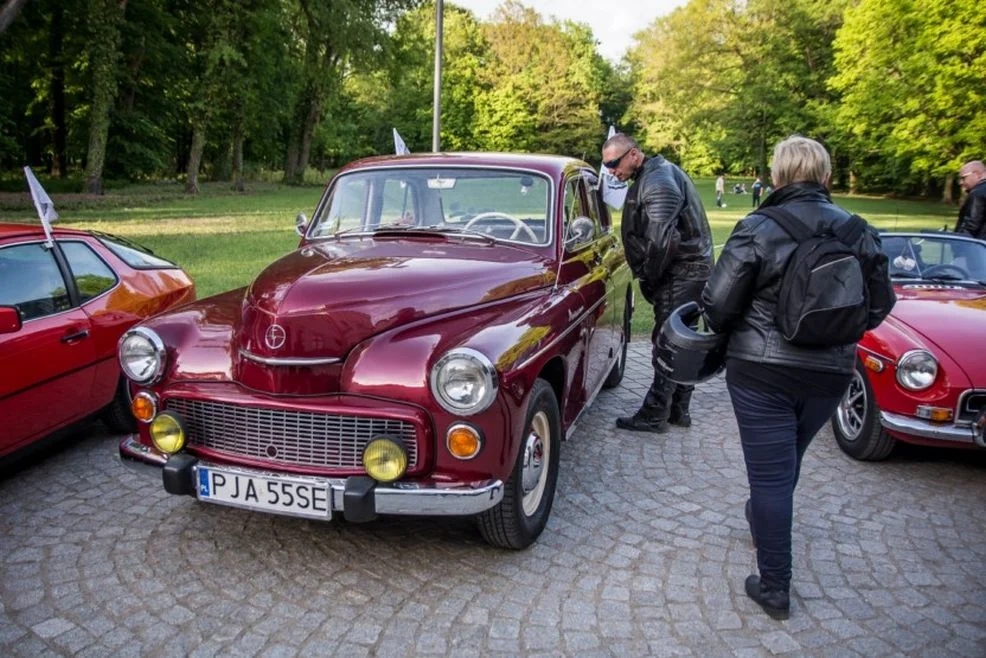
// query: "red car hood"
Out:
[331,296]
[952,319]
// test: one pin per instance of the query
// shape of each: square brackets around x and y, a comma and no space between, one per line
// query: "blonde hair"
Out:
[798,159]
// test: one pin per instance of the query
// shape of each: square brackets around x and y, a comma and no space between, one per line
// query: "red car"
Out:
[62,311]
[443,324]
[921,375]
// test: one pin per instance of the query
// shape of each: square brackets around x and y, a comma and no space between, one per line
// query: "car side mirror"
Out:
[10,320]
[580,231]
[300,224]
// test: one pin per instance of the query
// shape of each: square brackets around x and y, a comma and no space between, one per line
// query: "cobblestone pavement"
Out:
[645,554]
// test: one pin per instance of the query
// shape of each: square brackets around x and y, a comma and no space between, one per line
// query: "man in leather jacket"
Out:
[782,393]
[972,215]
[668,245]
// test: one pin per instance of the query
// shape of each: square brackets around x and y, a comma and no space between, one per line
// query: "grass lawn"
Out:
[223,239]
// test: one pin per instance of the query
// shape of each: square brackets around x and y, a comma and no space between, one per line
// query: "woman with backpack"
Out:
[797,283]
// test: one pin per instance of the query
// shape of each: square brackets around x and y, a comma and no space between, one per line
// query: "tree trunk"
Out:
[291,160]
[307,133]
[195,159]
[853,182]
[223,166]
[57,92]
[238,160]
[947,196]
[104,18]
[9,12]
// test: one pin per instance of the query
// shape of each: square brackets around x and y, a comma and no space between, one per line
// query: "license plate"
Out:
[281,495]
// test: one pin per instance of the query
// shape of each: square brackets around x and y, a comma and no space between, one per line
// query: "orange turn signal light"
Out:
[873,363]
[144,406]
[463,441]
[936,414]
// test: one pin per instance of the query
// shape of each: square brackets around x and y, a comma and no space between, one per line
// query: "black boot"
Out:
[775,602]
[638,423]
[680,417]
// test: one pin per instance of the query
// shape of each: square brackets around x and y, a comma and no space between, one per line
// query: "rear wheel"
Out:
[518,519]
[616,374]
[117,415]
[856,422]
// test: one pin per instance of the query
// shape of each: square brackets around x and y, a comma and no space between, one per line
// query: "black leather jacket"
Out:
[741,296]
[665,231]
[972,215]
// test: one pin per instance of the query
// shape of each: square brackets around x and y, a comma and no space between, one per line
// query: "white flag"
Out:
[614,192]
[399,146]
[42,203]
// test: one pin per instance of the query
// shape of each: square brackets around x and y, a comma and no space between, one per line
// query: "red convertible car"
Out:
[921,375]
[441,327]
[62,311]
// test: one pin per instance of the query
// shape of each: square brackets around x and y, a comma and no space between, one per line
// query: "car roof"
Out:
[549,164]
[17,230]
[945,235]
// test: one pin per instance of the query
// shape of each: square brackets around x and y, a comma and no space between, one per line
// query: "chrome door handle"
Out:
[79,335]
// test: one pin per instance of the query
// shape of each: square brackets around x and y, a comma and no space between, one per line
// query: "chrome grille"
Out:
[288,437]
[970,404]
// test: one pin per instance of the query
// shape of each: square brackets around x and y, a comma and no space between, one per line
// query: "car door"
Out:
[584,267]
[613,263]
[47,363]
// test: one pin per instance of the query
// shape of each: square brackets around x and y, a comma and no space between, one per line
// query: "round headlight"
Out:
[916,370]
[384,460]
[464,382]
[167,433]
[141,355]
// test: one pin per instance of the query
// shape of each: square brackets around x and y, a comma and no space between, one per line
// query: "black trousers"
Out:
[665,394]
[775,431]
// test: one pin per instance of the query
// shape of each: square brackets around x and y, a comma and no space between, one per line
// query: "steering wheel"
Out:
[519,226]
[944,268]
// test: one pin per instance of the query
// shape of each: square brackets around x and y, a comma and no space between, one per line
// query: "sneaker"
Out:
[775,602]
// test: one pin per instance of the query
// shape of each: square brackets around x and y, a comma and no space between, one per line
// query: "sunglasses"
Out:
[613,164]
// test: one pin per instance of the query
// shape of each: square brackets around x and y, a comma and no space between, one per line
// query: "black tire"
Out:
[615,376]
[117,415]
[510,524]
[856,422]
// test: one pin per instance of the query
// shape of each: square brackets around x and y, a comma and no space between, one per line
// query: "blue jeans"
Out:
[775,430]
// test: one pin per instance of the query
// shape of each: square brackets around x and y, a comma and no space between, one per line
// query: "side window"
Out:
[573,200]
[92,276]
[597,209]
[31,282]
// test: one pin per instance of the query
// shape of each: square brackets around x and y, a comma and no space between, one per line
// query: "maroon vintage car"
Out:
[63,307]
[441,327]
[921,375]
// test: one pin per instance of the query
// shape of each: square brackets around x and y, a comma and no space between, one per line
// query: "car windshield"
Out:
[498,204]
[935,258]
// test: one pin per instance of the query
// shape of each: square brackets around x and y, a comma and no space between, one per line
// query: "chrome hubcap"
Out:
[851,413]
[534,473]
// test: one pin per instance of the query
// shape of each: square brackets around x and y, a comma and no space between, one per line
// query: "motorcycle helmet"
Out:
[687,356]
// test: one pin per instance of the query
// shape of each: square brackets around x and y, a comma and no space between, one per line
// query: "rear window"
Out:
[136,256]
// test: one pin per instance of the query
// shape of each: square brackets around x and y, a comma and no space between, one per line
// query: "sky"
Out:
[613,22]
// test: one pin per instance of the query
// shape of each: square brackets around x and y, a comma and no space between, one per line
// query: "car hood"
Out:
[328,297]
[951,318]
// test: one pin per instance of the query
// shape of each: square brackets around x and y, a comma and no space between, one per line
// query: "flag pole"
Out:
[436,112]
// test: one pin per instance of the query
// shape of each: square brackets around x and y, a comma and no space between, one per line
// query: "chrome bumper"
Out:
[928,430]
[404,498]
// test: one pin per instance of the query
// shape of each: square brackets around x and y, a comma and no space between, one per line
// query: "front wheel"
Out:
[856,422]
[517,520]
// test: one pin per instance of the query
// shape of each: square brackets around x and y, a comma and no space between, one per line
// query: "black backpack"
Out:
[823,297]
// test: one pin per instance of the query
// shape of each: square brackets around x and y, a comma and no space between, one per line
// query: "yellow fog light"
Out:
[384,460]
[463,441]
[167,433]
[144,406]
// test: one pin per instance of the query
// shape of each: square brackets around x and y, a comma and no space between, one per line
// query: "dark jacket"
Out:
[741,296]
[665,231]
[972,215]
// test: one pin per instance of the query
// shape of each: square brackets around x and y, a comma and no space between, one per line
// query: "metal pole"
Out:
[436,112]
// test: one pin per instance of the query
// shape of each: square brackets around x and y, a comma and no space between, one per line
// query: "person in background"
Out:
[668,245]
[972,214]
[757,189]
[783,393]
[720,191]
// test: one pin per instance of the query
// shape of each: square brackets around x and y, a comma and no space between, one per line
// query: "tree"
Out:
[105,18]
